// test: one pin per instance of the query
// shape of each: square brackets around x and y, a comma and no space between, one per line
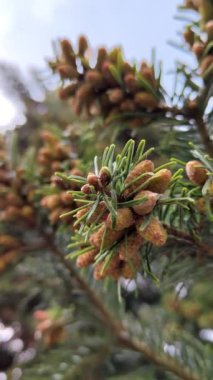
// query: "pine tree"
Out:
[106,241]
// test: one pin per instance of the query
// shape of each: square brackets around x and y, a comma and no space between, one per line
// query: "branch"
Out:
[115,328]
[189,239]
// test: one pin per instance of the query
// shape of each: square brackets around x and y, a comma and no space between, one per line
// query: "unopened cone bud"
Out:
[82,45]
[145,207]
[86,258]
[155,233]
[198,49]
[93,180]
[124,219]
[145,100]
[129,248]
[196,172]
[141,168]
[105,176]
[105,237]
[115,95]
[160,181]
[51,201]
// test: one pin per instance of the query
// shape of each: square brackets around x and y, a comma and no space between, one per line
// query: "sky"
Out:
[28,28]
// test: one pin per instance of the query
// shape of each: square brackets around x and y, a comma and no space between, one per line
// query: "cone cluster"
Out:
[122,237]
[55,155]
[109,86]
[201,43]
[199,175]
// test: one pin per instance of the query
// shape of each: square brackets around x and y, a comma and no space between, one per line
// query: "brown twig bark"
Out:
[204,248]
[118,331]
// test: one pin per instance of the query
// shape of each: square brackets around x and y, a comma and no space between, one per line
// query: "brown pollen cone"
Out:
[129,249]
[101,208]
[115,95]
[109,236]
[51,201]
[160,181]
[196,172]
[145,100]
[124,219]
[97,274]
[154,232]
[141,168]
[145,207]
[86,258]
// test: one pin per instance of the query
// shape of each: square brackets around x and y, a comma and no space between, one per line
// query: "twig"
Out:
[189,239]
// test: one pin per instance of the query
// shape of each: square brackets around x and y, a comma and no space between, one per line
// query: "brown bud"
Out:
[68,52]
[104,176]
[160,181]
[113,267]
[147,72]
[55,166]
[48,136]
[141,168]
[131,83]
[105,69]
[93,180]
[46,152]
[101,208]
[76,171]
[61,151]
[66,198]
[198,49]
[82,94]
[127,105]
[189,36]
[115,95]
[101,57]
[67,71]
[109,236]
[86,259]
[145,207]
[55,215]
[95,78]
[196,172]
[209,29]
[86,189]
[68,91]
[127,68]
[58,182]
[124,219]
[51,201]
[155,233]
[129,249]
[98,273]
[82,45]
[145,100]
